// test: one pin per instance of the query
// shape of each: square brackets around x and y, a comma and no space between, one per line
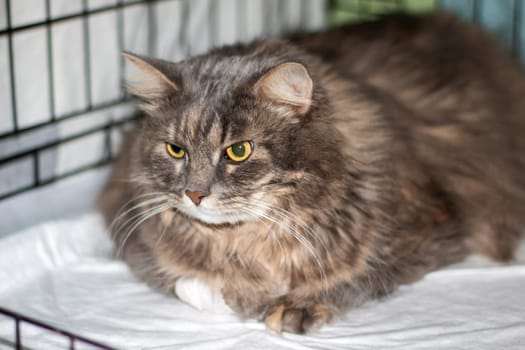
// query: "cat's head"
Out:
[231,134]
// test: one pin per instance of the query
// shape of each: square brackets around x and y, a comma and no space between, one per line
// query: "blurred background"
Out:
[61,101]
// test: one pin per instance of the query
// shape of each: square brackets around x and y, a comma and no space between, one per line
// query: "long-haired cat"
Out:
[301,177]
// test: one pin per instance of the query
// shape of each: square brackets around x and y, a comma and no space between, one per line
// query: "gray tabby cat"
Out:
[302,177]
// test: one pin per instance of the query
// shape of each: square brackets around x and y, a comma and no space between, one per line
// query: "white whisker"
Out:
[165,227]
[135,198]
[143,217]
[286,215]
[114,229]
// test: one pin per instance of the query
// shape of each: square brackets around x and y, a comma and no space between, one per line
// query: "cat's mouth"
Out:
[212,212]
[213,216]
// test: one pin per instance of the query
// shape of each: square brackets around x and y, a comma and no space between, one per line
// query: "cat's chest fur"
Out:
[237,256]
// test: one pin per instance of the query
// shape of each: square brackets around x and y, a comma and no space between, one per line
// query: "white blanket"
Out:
[63,273]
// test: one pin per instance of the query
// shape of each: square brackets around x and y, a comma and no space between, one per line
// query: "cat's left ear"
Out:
[288,84]
[148,78]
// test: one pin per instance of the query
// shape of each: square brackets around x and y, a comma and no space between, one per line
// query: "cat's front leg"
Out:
[287,313]
[246,302]
[307,309]
[287,316]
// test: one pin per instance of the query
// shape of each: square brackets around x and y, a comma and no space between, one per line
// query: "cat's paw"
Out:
[283,318]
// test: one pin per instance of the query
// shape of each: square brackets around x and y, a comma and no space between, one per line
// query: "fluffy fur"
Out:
[382,151]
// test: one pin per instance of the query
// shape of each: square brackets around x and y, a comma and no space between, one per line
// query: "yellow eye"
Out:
[239,151]
[175,151]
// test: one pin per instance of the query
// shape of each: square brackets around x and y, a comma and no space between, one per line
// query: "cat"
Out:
[301,177]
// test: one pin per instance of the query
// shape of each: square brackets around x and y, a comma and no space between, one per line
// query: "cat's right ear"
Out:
[289,85]
[147,79]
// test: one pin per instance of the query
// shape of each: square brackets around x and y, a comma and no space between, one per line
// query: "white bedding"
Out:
[63,273]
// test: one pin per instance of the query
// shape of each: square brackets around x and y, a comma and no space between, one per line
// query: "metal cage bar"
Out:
[72,338]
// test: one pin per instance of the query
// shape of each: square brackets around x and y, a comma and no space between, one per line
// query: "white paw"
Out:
[199,295]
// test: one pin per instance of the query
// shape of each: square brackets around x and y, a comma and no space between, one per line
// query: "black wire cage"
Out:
[72,341]
[61,75]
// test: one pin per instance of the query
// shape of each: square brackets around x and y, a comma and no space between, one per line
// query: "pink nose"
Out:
[195,196]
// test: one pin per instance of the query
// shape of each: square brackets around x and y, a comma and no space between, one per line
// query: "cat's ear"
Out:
[288,84]
[147,77]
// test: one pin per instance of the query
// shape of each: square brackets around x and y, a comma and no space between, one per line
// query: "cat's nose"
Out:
[196,196]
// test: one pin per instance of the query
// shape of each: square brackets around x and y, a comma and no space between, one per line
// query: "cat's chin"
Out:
[212,217]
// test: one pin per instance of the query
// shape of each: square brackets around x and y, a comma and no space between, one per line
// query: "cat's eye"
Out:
[175,151]
[240,151]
